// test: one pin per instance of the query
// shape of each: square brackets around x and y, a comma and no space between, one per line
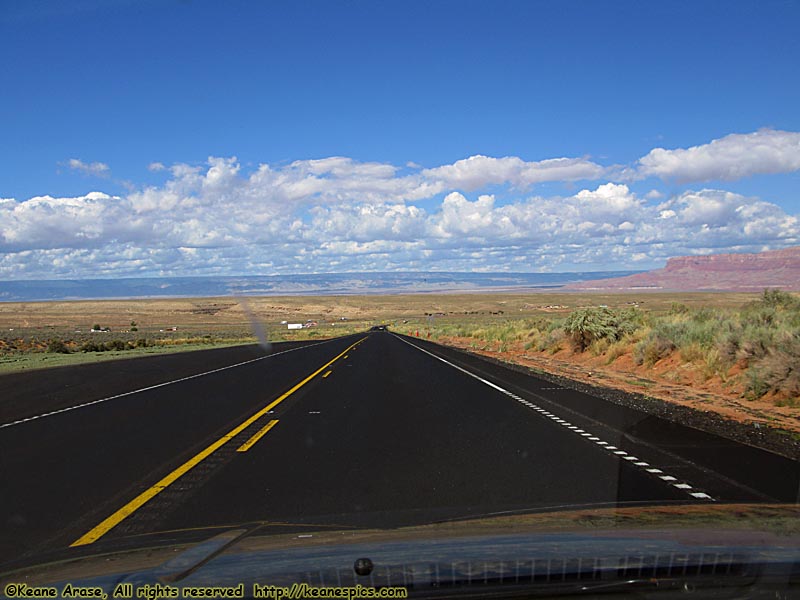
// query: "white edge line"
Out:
[665,478]
[447,362]
[151,387]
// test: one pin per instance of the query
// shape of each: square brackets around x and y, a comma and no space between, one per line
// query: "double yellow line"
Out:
[115,519]
[259,434]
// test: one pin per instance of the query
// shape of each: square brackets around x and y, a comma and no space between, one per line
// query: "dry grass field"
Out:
[30,327]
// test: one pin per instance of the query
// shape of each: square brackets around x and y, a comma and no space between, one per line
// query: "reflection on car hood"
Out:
[577,549]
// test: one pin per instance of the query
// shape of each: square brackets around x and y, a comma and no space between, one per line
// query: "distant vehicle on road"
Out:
[379,328]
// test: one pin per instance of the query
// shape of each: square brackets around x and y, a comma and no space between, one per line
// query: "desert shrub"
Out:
[728,346]
[704,314]
[700,330]
[91,347]
[713,364]
[779,299]
[141,343]
[504,333]
[466,330]
[116,345]
[58,346]
[652,349]
[600,346]
[759,316]
[779,369]
[773,307]
[756,384]
[756,342]
[616,350]
[587,325]
[703,328]
[480,334]
[678,308]
[693,352]
[539,323]
[531,344]
[552,342]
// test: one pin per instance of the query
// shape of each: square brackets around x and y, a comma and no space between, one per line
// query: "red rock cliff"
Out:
[729,272]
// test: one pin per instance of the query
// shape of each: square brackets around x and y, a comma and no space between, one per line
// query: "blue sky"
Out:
[197,137]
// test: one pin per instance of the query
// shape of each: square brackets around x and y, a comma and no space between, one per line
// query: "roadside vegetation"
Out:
[753,348]
[30,352]
[740,345]
[44,347]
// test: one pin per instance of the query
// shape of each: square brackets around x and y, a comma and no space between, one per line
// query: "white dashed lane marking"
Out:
[633,460]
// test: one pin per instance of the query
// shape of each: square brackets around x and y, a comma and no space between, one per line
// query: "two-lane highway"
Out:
[371,430]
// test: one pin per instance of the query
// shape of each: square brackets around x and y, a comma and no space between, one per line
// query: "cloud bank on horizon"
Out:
[338,214]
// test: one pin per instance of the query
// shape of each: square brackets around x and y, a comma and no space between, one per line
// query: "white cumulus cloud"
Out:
[732,157]
[97,169]
[479,171]
[339,214]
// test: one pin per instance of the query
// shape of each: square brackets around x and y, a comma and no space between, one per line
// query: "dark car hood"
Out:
[572,550]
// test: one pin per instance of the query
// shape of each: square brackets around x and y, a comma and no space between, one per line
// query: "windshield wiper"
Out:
[190,560]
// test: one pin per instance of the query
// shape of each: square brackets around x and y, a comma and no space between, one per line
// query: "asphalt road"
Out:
[372,430]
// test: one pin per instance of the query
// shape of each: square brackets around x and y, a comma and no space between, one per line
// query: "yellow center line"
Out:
[326,374]
[115,519]
[261,433]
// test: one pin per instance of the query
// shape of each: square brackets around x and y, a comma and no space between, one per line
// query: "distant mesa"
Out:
[716,272]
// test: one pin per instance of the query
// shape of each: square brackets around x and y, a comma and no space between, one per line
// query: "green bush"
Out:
[552,342]
[678,308]
[760,316]
[701,315]
[756,342]
[779,299]
[600,346]
[692,352]
[555,324]
[713,364]
[116,345]
[729,346]
[652,349]
[779,369]
[683,332]
[756,384]
[587,325]
[58,346]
